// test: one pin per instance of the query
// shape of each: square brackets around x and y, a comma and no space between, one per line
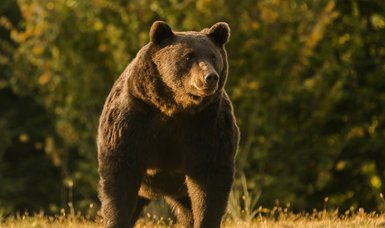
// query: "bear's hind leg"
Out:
[182,209]
[142,202]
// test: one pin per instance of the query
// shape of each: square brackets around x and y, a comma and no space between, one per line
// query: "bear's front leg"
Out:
[209,190]
[118,191]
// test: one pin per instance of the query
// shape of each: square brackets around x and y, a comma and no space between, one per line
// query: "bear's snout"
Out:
[206,78]
[205,83]
[211,79]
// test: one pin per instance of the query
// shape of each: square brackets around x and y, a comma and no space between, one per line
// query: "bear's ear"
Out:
[219,33]
[160,31]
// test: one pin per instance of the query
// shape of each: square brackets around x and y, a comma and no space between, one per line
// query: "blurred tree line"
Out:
[307,79]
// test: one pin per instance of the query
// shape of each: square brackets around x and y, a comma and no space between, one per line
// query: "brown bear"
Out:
[168,130]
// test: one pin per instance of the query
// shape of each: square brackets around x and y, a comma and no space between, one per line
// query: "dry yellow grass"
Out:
[284,220]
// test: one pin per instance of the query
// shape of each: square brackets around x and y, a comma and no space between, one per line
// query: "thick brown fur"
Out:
[168,130]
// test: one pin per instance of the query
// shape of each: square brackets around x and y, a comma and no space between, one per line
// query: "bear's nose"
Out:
[211,78]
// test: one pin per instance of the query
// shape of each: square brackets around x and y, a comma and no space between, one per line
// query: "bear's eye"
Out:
[189,57]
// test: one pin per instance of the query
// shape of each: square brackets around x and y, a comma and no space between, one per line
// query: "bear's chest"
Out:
[170,144]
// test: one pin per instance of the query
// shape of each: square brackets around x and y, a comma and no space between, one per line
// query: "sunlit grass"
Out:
[281,218]
[242,211]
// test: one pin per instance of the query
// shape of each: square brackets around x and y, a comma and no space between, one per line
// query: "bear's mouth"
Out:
[204,91]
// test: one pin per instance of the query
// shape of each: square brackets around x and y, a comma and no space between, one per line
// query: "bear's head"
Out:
[193,65]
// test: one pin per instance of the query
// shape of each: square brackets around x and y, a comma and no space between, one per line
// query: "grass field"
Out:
[283,219]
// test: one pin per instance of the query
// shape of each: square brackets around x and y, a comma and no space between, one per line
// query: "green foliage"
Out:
[306,77]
